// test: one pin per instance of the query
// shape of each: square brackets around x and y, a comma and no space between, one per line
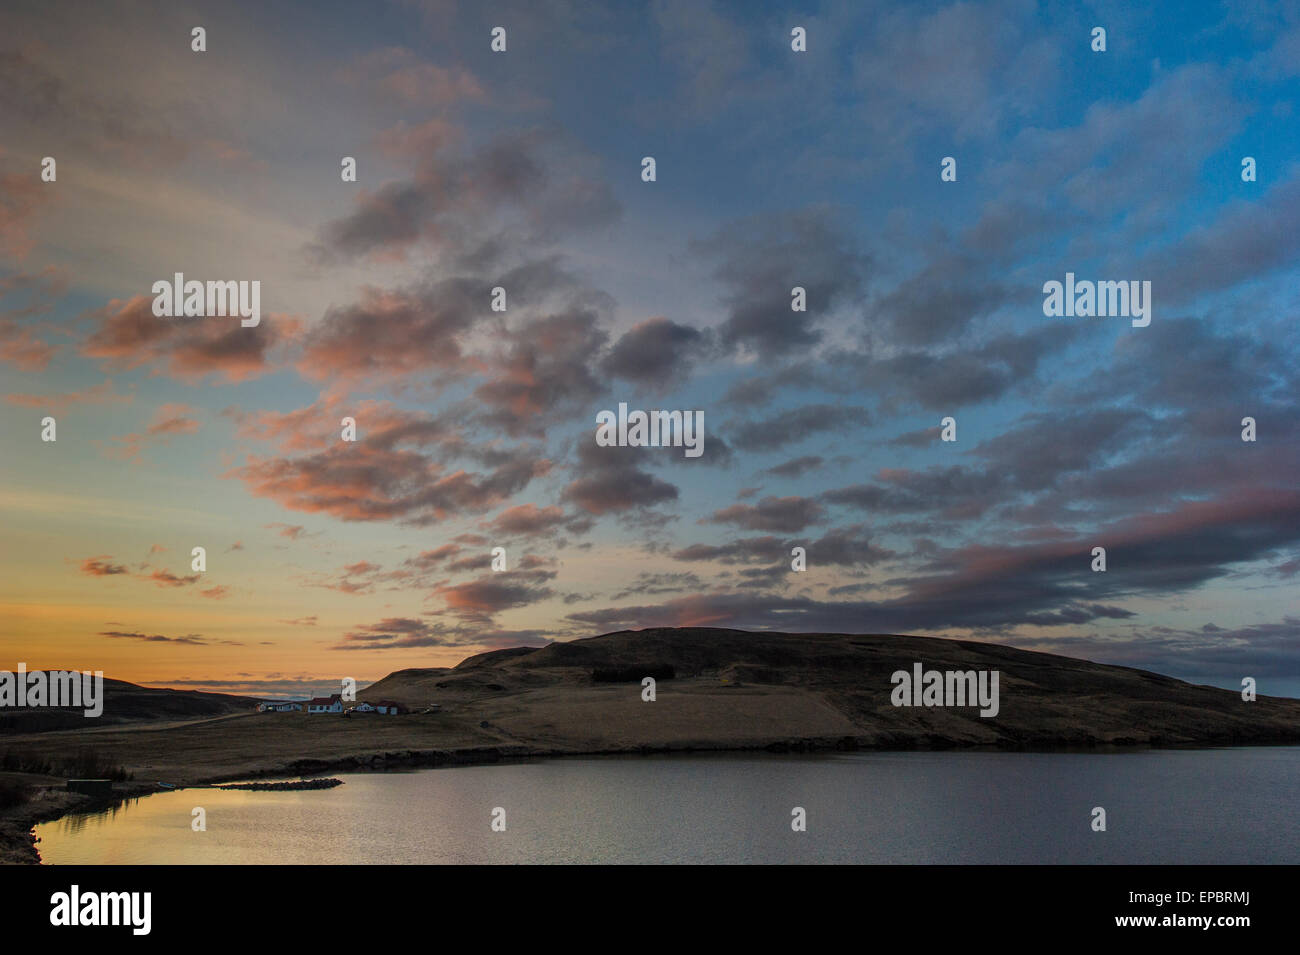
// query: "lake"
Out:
[1213,806]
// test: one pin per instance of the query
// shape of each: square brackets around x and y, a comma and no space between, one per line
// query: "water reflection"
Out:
[1181,806]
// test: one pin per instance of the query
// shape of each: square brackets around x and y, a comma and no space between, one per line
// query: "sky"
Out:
[523,170]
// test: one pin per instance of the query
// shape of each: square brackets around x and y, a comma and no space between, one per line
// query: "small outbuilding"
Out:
[279,706]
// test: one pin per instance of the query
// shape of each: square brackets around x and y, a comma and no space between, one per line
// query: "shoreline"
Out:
[730,692]
[18,840]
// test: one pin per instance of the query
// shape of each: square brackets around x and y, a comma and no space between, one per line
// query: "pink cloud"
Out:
[128,335]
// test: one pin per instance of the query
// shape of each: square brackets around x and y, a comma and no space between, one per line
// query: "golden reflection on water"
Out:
[1171,807]
[150,829]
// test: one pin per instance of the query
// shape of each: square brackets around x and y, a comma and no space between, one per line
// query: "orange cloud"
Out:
[128,335]
[99,566]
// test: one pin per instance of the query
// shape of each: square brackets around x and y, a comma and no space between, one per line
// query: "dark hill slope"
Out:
[734,684]
[124,703]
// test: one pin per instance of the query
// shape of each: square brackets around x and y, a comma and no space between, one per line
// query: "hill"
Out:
[717,690]
[768,687]
[124,703]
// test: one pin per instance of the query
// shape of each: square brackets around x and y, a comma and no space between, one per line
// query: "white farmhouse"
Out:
[326,704]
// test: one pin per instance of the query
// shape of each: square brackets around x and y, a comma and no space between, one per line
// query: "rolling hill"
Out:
[124,703]
[746,687]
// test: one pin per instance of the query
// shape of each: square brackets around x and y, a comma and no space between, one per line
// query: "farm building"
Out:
[279,706]
[326,704]
[389,707]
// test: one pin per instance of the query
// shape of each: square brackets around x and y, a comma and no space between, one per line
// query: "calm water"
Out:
[1185,806]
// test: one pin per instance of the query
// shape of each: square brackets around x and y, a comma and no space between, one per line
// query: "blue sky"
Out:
[522,169]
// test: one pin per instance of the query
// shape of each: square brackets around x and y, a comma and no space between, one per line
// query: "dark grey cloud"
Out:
[755,390]
[530,521]
[796,467]
[482,599]
[393,633]
[403,633]
[1268,652]
[921,438]
[1044,446]
[609,480]
[370,480]
[758,261]
[660,583]
[947,381]
[939,303]
[795,424]
[781,514]
[849,546]
[542,369]
[1186,364]
[655,352]
[192,639]
[454,203]
[745,550]
[995,589]
[954,491]
[1161,553]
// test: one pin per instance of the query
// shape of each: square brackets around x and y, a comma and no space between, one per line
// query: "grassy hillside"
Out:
[124,703]
[729,690]
[738,684]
